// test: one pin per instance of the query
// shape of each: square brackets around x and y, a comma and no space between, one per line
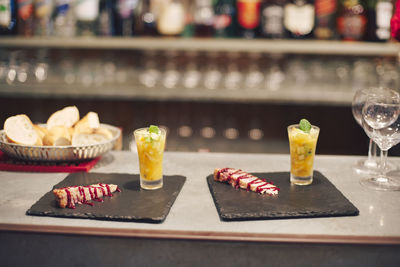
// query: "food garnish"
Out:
[305,125]
[154,134]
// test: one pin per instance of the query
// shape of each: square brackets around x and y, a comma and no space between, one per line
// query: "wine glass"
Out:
[369,165]
[381,123]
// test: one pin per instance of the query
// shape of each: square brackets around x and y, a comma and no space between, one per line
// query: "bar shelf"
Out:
[314,47]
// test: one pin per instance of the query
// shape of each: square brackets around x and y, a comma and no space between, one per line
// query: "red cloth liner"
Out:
[11,164]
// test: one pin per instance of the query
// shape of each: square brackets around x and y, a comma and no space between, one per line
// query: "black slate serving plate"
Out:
[320,199]
[131,204]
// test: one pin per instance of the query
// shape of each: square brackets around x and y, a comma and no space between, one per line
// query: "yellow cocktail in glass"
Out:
[302,153]
[150,147]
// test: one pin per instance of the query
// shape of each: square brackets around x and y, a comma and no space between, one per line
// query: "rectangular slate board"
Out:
[131,204]
[320,199]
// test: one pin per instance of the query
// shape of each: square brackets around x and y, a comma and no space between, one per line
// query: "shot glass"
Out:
[150,147]
[302,153]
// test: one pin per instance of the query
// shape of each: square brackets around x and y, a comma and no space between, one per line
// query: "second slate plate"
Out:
[320,199]
[131,204]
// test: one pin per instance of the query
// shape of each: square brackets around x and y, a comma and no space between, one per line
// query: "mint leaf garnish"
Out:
[305,125]
[154,129]
[153,134]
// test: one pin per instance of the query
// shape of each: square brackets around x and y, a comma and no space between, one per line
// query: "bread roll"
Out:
[57,136]
[67,117]
[104,131]
[39,142]
[87,124]
[88,139]
[41,131]
[19,129]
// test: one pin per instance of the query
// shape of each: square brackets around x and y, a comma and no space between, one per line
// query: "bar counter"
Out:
[193,233]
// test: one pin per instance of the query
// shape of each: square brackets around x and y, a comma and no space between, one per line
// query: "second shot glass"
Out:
[150,144]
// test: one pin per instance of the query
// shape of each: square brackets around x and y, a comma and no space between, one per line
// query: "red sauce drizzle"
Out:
[85,201]
[90,192]
[224,171]
[82,193]
[109,194]
[96,197]
[230,178]
[252,182]
[244,176]
[70,203]
[236,183]
[258,189]
[274,188]
[221,171]
[105,189]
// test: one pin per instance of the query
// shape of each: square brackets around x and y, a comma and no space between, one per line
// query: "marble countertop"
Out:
[194,215]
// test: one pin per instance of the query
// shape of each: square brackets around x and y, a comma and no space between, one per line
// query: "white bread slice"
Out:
[19,129]
[104,131]
[41,131]
[39,142]
[88,139]
[87,124]
[57,136]
[67,117]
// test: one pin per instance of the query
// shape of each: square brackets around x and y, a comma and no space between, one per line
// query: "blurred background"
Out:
[220,75]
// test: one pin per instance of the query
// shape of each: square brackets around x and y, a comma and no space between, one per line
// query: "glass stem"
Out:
[371,150]
[384,154]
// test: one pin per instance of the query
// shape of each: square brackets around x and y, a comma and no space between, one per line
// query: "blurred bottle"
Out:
[124,17]
[248,13]
[370,13]
[351,20]
[203,18]
[146,24]
[225,18]
[188,30]
[325,19]
[172,19]
[86,12]
[64,24]
[8,17]
[105,25]
[384,12]
[272,19]
[25,17]
[299,18]
[43,17]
